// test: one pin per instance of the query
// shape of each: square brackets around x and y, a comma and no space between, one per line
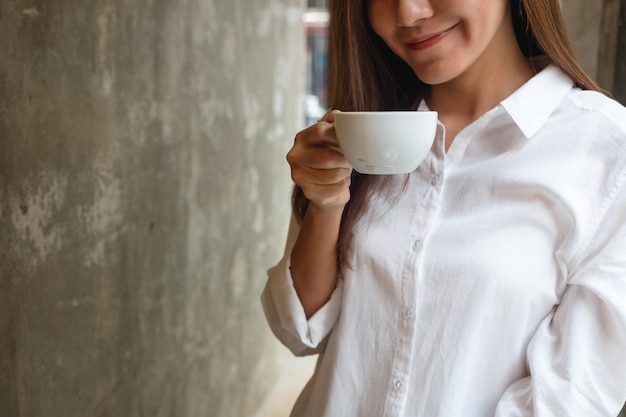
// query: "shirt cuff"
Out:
[286,316]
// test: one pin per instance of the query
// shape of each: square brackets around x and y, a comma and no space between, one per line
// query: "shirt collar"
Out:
[533,103]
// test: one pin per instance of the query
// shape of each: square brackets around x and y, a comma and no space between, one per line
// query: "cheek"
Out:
[378,16]
[383,21]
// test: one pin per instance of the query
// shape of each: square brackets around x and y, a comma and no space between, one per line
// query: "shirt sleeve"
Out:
[285,314]
[577,358]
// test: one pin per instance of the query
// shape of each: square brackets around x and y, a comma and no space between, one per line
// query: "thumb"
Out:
[330,116]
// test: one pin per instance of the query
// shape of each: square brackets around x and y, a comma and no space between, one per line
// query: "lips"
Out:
[426,41]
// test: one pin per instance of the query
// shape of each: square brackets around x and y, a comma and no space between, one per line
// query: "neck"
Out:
[480,88]
[476,92]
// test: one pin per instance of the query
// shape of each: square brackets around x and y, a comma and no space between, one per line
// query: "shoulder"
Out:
[596,110]
[589,129]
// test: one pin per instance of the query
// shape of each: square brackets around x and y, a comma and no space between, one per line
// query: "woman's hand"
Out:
[318,167]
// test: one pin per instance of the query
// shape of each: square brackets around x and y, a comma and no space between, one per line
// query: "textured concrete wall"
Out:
[141,161]
[584,20]
[619,73]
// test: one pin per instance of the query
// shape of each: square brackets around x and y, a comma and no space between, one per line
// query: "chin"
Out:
[437,73]
[433,79]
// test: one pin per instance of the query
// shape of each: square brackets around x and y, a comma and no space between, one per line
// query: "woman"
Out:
[490,281]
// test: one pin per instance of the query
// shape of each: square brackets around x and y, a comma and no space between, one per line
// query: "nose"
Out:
[410,12]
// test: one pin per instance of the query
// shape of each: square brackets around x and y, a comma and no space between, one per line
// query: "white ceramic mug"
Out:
[386,142]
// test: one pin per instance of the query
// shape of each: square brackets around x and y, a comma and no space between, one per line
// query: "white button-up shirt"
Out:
[493,284]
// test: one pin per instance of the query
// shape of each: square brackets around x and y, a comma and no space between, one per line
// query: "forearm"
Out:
[314,257]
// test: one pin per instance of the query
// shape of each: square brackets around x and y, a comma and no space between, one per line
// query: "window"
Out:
[316,23]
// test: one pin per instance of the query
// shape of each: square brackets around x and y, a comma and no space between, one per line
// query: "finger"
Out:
[329,117]
[305,176]
[318,134]
[317,157]
[326,157]
[328,195]
[321,134]
[335,148]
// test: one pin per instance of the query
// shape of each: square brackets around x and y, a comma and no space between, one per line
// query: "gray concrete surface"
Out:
[619,73]
[584,19]
[598,36]
[143,192]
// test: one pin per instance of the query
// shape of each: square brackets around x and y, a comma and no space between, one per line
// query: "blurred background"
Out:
[144,192]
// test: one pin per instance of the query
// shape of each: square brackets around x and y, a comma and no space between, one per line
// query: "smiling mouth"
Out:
[417,44]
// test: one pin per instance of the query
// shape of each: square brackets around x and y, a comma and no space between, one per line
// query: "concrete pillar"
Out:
[619,67]
[584,20]
[607,52]
[599,39]
[143,193]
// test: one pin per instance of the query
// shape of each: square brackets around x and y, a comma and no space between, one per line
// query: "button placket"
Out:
[430,181]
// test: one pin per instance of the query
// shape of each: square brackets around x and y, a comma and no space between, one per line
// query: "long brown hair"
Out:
[364,74]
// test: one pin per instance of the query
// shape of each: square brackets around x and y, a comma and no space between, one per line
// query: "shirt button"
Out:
[436,180]
[398,385]
[409,314]
[417,244]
